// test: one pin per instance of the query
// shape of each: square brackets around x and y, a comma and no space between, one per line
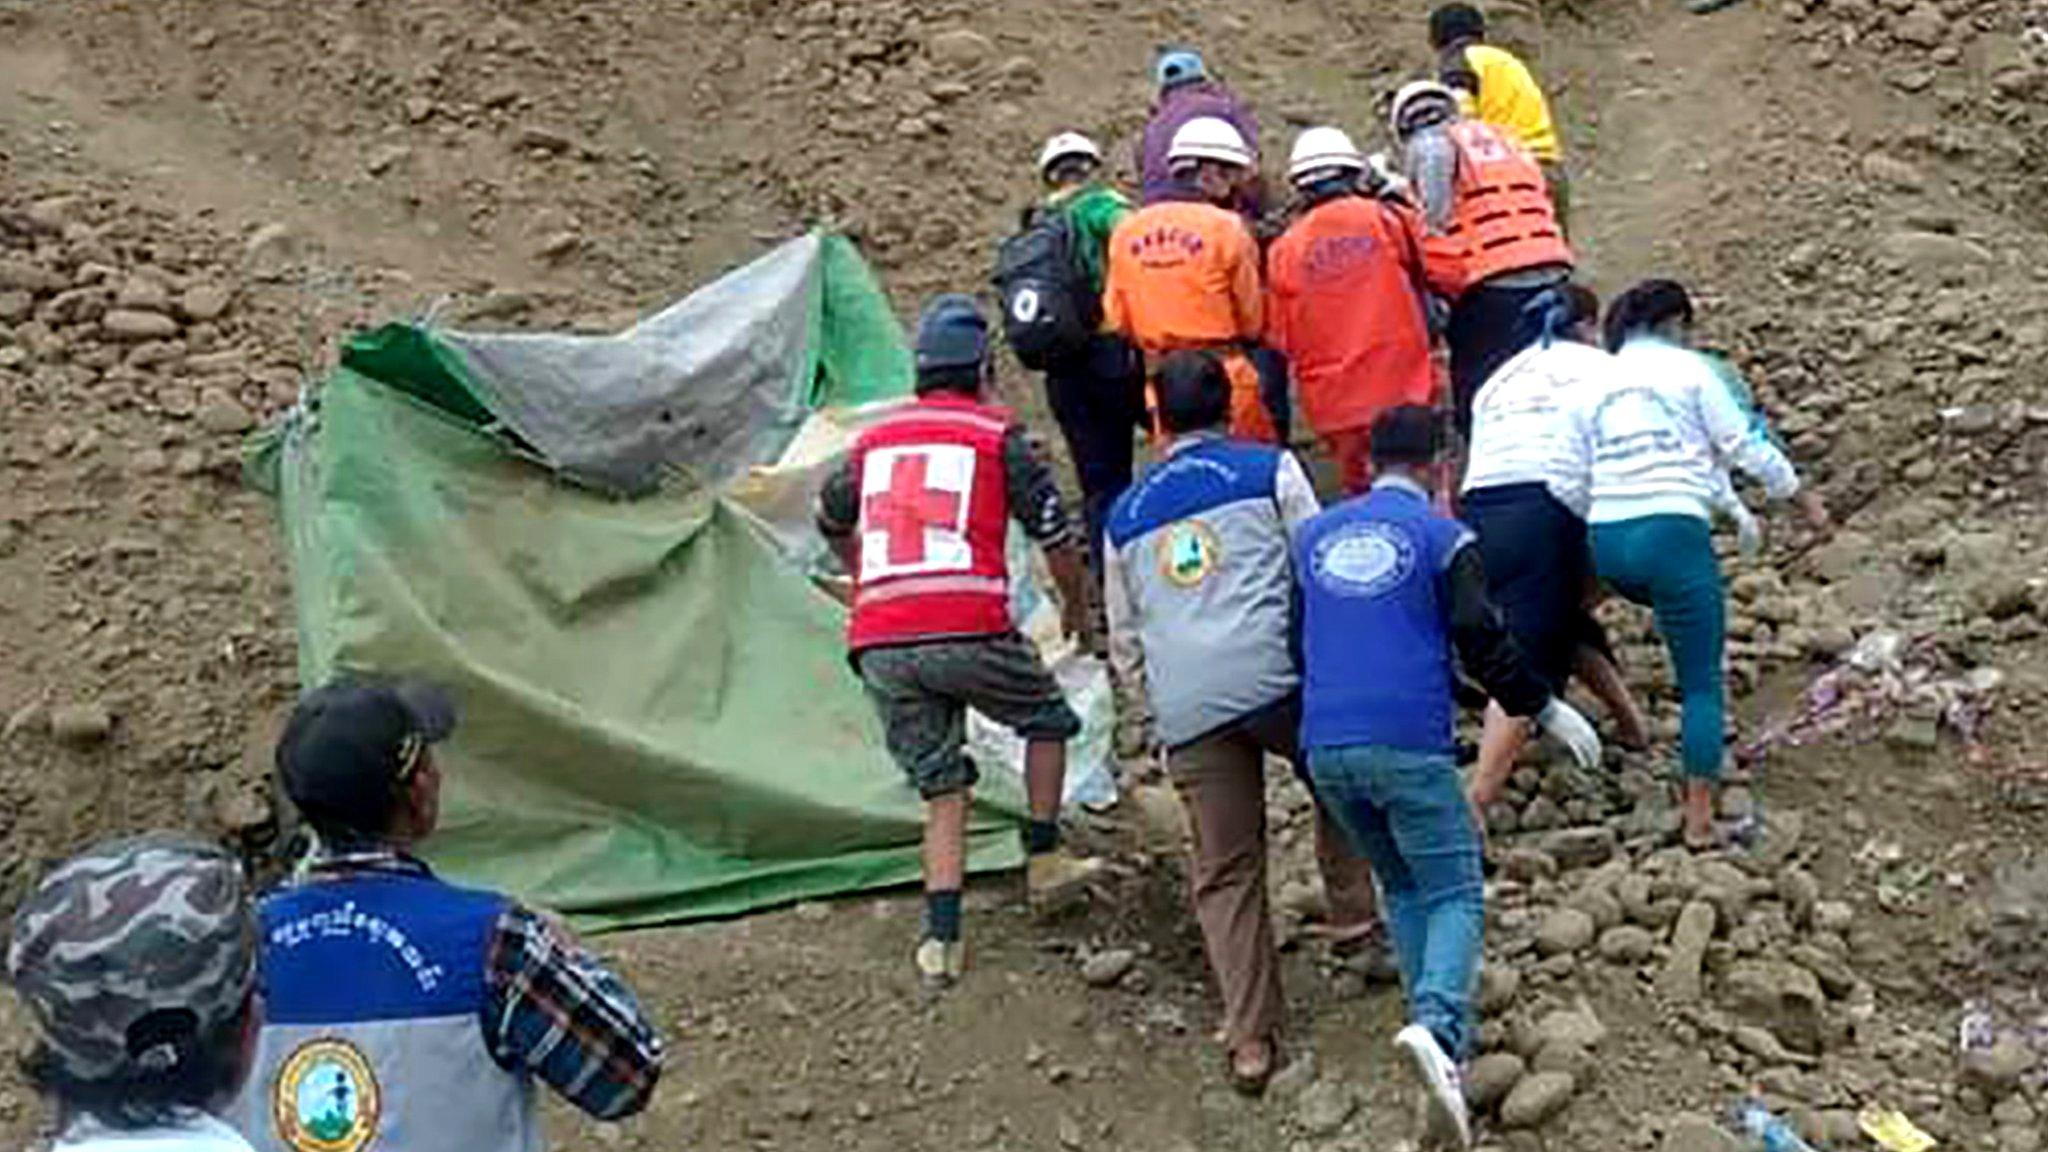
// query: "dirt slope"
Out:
[1858,188]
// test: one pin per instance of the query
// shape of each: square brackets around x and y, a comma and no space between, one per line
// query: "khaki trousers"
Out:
[1221,780]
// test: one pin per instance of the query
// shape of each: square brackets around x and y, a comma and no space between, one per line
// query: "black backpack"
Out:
[1049,310]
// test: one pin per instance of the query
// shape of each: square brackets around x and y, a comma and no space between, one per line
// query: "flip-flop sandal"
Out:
[1252,1084]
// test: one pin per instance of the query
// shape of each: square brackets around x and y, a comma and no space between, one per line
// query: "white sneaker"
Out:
[1447,1124]
[940,963]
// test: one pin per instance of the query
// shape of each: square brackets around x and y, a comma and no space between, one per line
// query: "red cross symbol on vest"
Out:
[909,505]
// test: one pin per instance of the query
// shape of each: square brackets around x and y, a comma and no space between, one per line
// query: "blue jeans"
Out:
[1407,812]
[1667,564]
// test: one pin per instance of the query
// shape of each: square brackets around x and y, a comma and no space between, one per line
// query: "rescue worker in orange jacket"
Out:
[1493,243]
[1184,272]
[1346,302]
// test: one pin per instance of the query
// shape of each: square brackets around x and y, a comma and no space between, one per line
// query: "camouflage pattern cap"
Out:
[131,930]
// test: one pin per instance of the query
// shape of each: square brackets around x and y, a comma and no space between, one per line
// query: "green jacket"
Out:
[1094,210]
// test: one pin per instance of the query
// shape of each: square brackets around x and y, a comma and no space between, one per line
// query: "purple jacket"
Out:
[1180,105]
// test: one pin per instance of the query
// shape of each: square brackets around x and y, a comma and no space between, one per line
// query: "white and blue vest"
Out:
[374,994]
[1204,553]
[1376,645]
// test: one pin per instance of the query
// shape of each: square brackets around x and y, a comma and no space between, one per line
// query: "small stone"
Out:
[418,109]
[15,305]
[1996,1070]
[1537,1098]
[203,303]
[386,158]
[961,48]
[222,414]
[559,246]
[1574,1027]
[132,327]
[1783,997]
[1324,1108]
[1680,979]
[1582,847]
[1105,968]
[1564,930]
[1833,916]
[1498,986]
[536,138]
[1492,1077]
[1627,944]
[1695,1134]
[270,247]
[1528,865]
[1923,27]
[81,725]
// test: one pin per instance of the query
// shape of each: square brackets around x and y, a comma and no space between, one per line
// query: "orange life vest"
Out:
[1503,221]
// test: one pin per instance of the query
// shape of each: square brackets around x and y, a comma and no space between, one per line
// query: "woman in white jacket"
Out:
[1664,433]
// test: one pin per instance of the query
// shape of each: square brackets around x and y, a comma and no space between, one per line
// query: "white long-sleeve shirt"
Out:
[1664,434]
[1531,425]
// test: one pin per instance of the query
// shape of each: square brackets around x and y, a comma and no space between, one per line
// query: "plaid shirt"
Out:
[552,1010]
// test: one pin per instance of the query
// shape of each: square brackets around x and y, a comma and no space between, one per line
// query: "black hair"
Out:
[1643,307]
[1451,23]
[965,379]
[208,1069]
[1406,436]
[1555,311]
[1078,166]
[1584,304]
[1344,182]
[1194,392]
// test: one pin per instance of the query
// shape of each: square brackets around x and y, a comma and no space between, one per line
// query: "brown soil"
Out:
[1858,188]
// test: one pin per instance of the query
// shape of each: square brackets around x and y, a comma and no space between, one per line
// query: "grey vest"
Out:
[1206,565]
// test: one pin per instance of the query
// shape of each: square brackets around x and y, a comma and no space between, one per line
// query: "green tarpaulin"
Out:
[658,721]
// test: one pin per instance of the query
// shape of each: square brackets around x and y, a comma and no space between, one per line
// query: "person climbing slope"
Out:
[1184,271]
[1346,303]
[1389,589]
[1200,596]
[1050,276]
[1527,489]
[1663,429]
[1493,243]
[1187,91]
[1495,86]
[919,514]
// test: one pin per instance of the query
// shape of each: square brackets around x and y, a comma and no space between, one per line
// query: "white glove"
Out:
[1565,725]
[1749,535]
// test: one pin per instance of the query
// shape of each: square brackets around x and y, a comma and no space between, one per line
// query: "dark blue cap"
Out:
[952,333]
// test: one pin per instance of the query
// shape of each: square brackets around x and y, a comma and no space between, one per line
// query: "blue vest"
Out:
[372,1036]
[1203,551]
[1376,650]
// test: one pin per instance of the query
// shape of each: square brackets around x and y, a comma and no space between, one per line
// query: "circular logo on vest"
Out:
[325,1098]
[1363,560]
[1024,306]
[1188,553]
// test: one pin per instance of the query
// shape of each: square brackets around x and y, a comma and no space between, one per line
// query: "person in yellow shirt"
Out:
[1496,87]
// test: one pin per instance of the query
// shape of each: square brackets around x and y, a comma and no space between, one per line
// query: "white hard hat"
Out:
[1412,96]
[1321,149]
[1209,138]
[1064,145]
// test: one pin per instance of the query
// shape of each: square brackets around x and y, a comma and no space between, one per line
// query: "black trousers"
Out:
[1485,331]
[1098,400]
[1539,567]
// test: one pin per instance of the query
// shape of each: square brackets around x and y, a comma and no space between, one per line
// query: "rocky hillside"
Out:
[198,197]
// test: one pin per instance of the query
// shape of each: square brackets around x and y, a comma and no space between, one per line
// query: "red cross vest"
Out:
[1504,220]
[934,516]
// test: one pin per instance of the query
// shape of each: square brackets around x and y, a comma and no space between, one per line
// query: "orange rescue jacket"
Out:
[1345,305]
[1183,274]
[1504,220]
